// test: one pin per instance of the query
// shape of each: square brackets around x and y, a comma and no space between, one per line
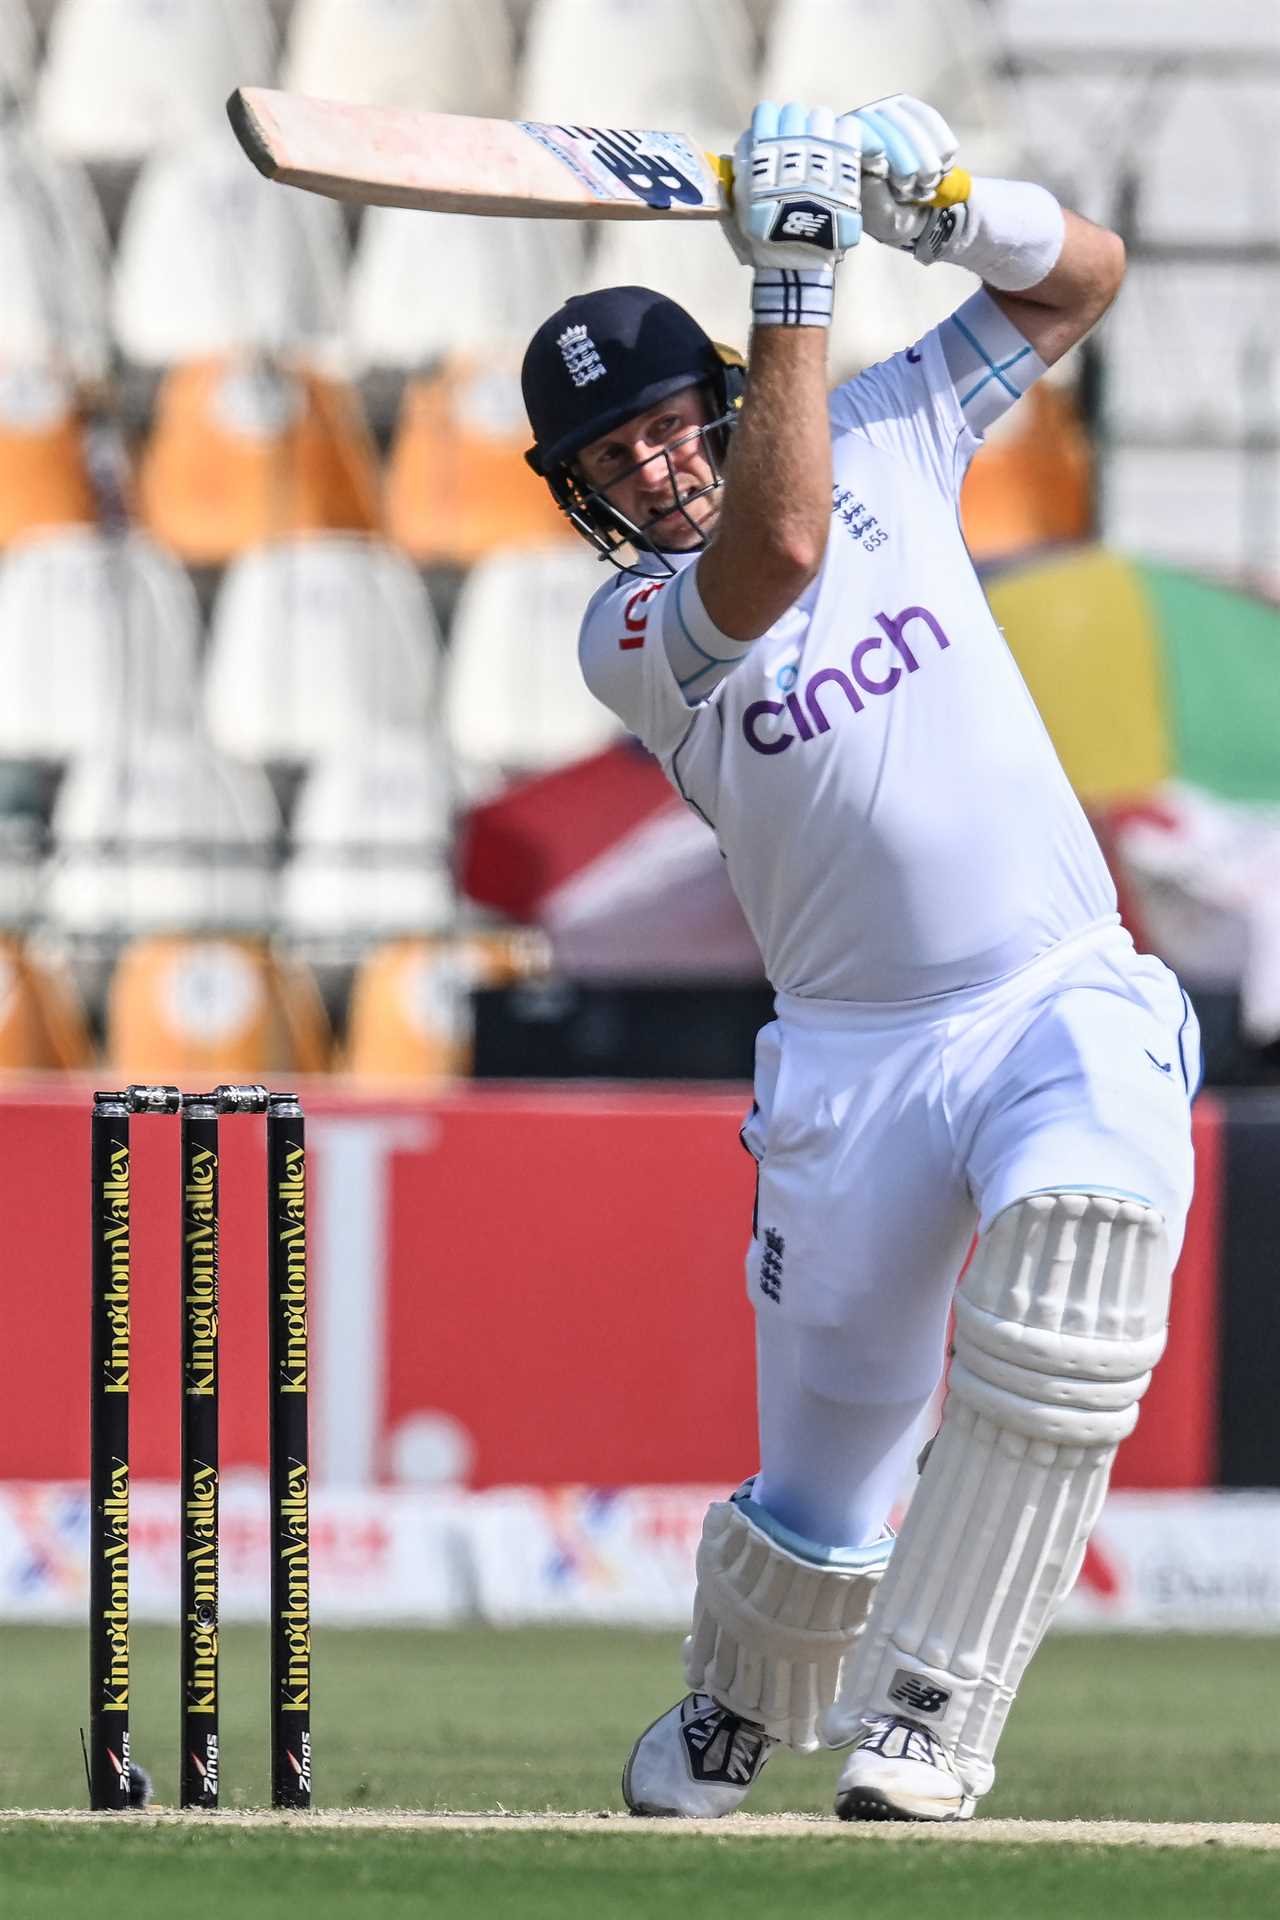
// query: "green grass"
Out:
[1150,1729]
[51,1875]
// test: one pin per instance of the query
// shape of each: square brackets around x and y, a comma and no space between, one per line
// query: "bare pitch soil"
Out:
[1257,1835]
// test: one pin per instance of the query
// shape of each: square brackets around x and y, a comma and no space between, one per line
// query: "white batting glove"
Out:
[797,187]
[907,150]
[797,196]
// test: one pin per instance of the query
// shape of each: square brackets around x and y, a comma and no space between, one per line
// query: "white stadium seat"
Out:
[161,835]
[316,643]
[515,700]
[122,77]
[885,301]
[1198,508]
[1208,172]
[675,64]
[1103,26]
[214,259]
[843,53]
[97,637]
[1187,348]
[53,262]
[371,835]
[432,54]
[17,50]
[424,283]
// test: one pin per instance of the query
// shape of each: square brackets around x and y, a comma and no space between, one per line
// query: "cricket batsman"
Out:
[966,1040]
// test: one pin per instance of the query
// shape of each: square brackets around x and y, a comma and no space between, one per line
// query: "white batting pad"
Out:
[774,1618]
[1059,1321]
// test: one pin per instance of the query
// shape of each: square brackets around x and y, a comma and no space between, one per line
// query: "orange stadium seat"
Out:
[245,451]
[213,1009]
[44,478]
[457,483]
[410,1013]
[42,1023]
[1032,484]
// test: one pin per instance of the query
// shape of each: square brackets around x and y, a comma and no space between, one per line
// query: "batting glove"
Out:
[797,195]
[797,188]
[908,151]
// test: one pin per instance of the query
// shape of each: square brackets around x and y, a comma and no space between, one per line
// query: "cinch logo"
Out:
[803,706]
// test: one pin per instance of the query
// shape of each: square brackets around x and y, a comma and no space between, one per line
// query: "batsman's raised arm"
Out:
[796,210]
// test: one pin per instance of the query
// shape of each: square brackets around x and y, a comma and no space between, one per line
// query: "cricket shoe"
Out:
[899,1771]
[695,1763]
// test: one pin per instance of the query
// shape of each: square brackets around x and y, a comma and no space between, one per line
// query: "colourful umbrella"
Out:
[1144,674]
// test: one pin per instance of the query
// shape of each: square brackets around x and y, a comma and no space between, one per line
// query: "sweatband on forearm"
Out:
[1008,232]
[792,296]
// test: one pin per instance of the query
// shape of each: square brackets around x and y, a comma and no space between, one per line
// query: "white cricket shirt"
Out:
[894,817]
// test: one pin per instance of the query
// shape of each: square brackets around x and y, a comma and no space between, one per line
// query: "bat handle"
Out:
[952,188]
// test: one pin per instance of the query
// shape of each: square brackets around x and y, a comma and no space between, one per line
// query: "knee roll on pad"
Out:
[1059,1321]
[774,1617]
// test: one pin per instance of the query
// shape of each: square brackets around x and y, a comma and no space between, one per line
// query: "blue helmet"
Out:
[601,359]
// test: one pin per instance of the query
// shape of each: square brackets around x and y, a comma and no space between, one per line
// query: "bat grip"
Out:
[952,188]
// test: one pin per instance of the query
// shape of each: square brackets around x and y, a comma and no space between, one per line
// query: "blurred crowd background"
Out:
[296,769]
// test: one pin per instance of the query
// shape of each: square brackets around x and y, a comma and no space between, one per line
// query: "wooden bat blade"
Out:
[453,163]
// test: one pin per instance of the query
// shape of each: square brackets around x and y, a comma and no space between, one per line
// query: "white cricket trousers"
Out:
[885,1135]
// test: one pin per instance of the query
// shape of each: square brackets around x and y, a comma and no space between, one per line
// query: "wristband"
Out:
[793,296]
[1008,232]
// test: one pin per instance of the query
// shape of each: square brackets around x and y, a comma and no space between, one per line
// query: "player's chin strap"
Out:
[1059,1321]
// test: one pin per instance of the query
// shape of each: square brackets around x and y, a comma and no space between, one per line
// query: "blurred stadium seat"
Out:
[123,77]
[53,262]
[42,1023]
[457,486]
[17,51]
[423,284]
[372,833]
[432,54]
[1032,481]
[315,642]
[214,259]
[690,262]
[44,474]
[514,700]
[1125,27]
[96,636]
[161,834]
[677,64]
[885,303]
[411,1001]
[244,451]
[212,1010]
[944,51]
[1184,344]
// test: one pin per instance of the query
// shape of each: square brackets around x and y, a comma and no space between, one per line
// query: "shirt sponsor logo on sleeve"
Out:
[764,723]
[635,617]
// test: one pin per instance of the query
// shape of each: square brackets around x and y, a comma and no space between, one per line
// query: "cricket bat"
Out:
[453,163]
